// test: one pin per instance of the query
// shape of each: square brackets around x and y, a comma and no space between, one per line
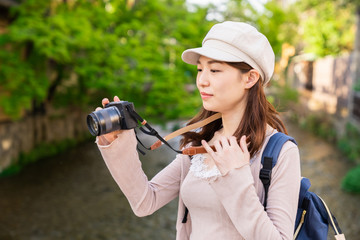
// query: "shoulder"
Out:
[270,132]
[289,150]
[182,161]
[288,161]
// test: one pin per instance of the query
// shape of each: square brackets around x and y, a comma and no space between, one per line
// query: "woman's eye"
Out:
[199,70]
[214,71]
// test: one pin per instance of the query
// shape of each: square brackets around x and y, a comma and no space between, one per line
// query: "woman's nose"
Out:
[202,79]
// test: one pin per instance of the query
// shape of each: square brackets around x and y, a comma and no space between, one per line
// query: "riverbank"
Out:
[72,195]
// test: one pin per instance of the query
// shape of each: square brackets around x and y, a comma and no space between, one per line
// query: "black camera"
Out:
[115,116]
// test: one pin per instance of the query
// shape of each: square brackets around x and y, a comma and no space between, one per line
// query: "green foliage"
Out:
[278,24]
[351,182]
[282,97]
[98,49]
[20,84]
[320,125]
[349,144]
[328,26]
[321,27]
[64,53]
[357,86]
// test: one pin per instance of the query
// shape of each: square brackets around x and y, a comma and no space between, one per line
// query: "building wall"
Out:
[326,85]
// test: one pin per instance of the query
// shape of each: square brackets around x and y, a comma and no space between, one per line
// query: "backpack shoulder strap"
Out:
[269,159]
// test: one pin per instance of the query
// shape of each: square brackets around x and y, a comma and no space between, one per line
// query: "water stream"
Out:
[73,196]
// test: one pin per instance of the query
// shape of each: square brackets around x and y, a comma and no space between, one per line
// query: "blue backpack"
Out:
[313,216]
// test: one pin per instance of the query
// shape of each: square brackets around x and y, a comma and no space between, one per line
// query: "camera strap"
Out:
[152,132]
[189,150]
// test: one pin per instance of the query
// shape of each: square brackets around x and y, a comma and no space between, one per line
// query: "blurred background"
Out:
[59,58]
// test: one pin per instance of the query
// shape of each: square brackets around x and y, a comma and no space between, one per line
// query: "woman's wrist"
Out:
[105,140]
[224,172]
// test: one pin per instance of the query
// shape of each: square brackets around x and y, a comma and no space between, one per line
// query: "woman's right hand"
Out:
[109,137]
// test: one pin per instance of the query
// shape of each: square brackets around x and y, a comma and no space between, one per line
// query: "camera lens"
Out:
[93,124]
[104,121]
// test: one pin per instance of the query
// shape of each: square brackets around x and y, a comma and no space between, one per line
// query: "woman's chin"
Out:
[210,108]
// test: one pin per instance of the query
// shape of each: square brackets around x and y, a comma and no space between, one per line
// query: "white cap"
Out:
[236,42]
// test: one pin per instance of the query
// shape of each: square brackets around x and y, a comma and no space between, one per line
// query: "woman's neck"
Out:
[231,121]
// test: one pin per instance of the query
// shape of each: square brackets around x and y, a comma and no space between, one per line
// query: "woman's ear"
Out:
[253,76]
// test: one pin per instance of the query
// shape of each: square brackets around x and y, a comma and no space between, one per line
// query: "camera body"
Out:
[126,121]
[115,116]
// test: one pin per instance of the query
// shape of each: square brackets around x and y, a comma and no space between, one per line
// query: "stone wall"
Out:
[326,85]
[22,136]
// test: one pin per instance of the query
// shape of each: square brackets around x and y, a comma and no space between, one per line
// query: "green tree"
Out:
[97,49]
[327,27]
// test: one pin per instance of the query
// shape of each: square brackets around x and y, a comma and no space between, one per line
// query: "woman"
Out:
[221,189]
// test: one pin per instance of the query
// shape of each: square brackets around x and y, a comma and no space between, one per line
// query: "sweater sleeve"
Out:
[122,160]
[237,194]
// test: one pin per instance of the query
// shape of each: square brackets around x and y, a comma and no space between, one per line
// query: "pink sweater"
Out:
[240,192]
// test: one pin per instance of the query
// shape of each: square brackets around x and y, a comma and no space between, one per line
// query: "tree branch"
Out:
[8,3]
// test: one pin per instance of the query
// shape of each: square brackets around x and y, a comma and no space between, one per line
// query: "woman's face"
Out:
[222,87]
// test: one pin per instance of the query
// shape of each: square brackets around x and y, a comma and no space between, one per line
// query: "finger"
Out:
[105,101]
[116,99]
[224,142]
[217,146]
[233,141]
[207,147]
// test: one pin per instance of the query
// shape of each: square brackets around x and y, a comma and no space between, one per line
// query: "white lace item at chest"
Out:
[199,169]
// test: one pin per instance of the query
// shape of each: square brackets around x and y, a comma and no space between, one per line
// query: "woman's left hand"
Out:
[229,154]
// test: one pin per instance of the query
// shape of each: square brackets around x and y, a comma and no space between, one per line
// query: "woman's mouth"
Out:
[205,95]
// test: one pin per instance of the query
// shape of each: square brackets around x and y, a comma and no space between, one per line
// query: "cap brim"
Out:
[191,56]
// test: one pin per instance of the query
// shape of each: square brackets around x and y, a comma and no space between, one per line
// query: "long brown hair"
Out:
[258,113]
